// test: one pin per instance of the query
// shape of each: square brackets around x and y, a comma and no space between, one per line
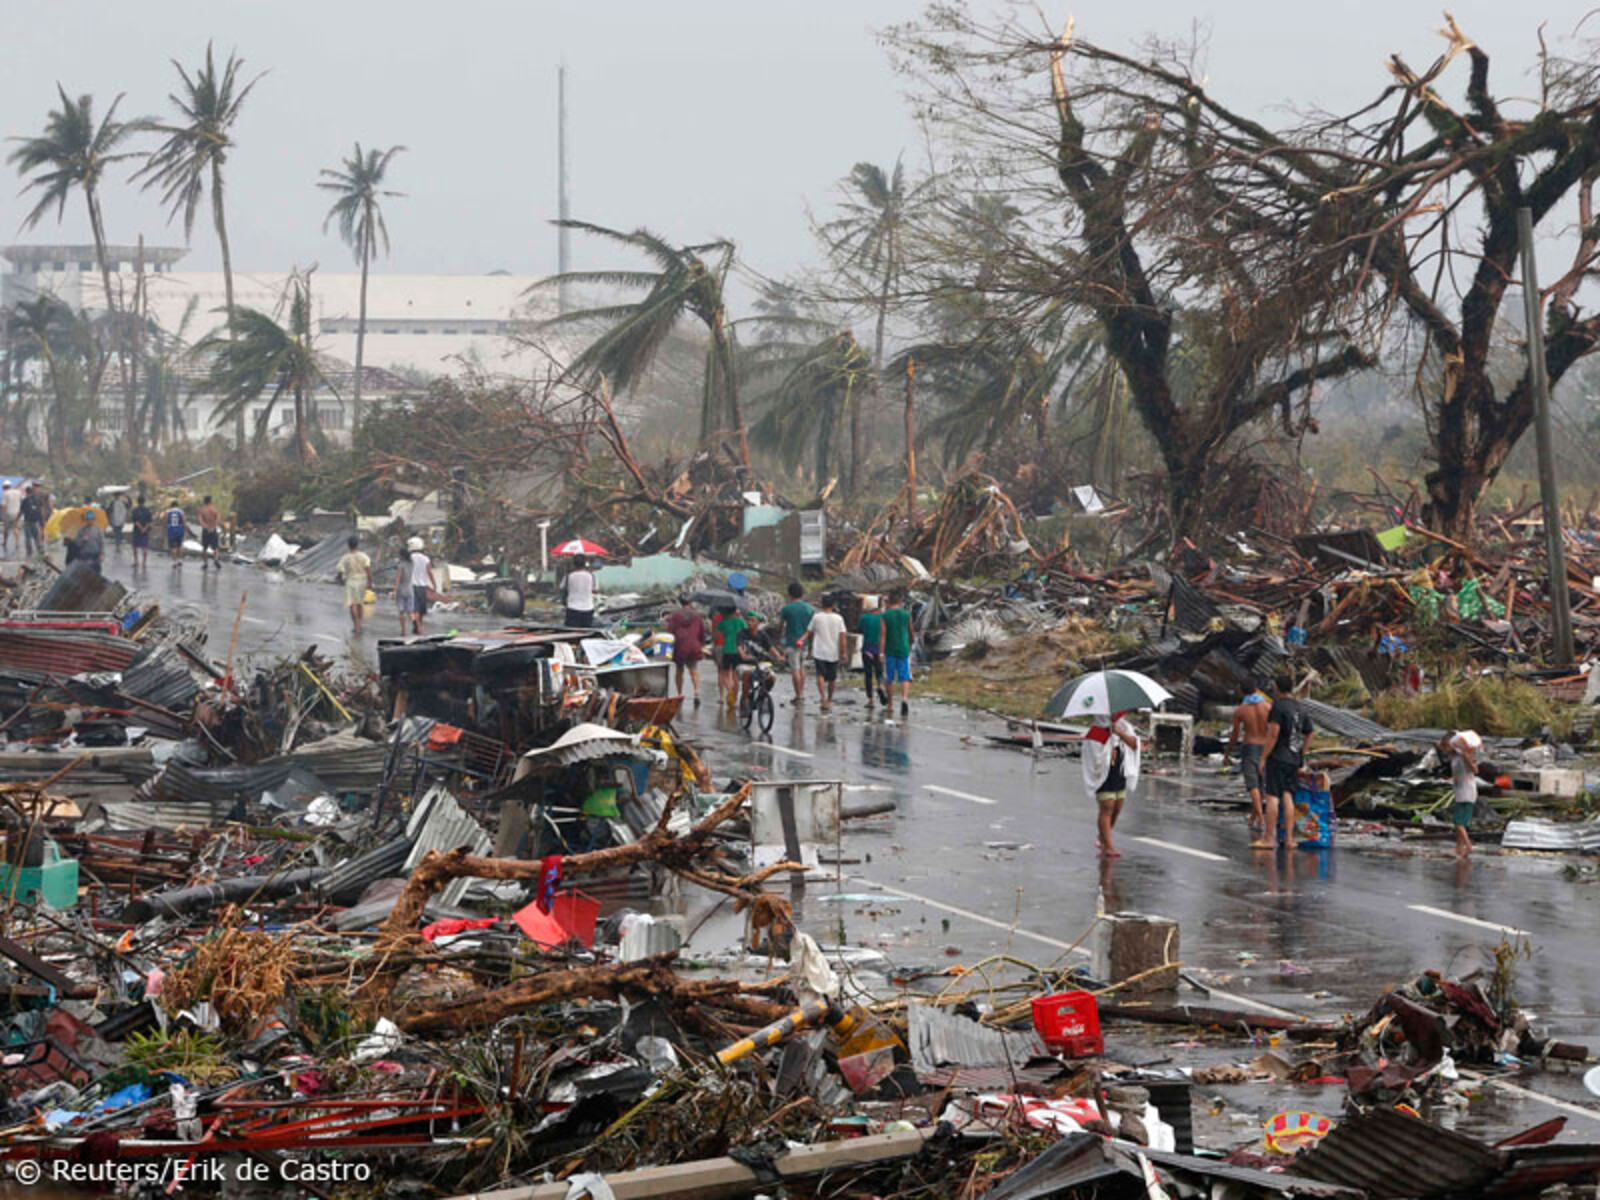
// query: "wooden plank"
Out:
[715,1177]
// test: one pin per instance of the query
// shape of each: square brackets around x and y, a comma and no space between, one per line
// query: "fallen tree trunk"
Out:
[682,854]
[650,977]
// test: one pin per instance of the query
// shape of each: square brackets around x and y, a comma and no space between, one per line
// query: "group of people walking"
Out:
[28,508]
[801,637]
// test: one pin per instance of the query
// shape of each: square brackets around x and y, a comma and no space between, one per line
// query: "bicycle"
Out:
[755,702]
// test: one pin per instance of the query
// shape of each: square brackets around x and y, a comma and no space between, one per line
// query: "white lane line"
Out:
[1528,1094]
[955,733]
[944,791]
[254,621]
[1450,916]
[979,917]
[783,750]
[1206,854]
[328,637]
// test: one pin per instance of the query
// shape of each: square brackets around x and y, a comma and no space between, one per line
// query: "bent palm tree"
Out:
[866,243]
[73,152]
[193,154]
[690,281]
[813,387]
[265,360]
[68,345]
[359,183]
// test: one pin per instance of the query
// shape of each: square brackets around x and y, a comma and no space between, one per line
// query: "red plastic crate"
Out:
[1069,1023]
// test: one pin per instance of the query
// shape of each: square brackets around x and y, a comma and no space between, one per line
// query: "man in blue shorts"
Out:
[897,650]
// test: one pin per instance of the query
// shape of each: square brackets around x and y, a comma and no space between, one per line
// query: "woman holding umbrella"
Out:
[1111,747]
[578,588]
[1110,771]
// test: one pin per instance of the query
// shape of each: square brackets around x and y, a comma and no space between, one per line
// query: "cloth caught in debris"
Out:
[809,971]
[454,925]
[589,1186]
[549,880]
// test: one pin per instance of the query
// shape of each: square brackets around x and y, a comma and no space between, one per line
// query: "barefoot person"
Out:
[1288,739]
[829,648]
[1460,749]
[210,535]
[1110,771]
[355,571]
[1250,722]
[796,617]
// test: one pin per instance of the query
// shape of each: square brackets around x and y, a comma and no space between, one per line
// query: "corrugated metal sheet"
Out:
[937,1038]
[63,652]
[1533,833]
[1392,1156]
[439,823]
[582,743]
[319,561]
[1341,722]
[161,676]
[344,762]
[345,883]
[138,815]
[79,589]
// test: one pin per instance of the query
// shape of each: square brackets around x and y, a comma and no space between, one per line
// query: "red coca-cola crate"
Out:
[1069,1023]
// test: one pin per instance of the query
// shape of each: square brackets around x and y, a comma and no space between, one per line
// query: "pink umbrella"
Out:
[579,546]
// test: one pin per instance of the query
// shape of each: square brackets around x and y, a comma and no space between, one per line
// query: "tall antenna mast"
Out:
[563,201]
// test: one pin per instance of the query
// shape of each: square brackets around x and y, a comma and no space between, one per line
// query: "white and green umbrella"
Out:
[1101,693]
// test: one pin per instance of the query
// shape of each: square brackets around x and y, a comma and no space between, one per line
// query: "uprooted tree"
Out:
[1232,266]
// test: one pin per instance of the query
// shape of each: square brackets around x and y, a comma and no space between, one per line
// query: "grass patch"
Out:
[1489,704]
[1017,676]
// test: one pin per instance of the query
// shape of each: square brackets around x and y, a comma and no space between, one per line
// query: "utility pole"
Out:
[1550,497]
[563,199]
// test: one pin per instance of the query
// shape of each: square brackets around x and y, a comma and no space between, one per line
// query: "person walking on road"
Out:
[355,570]
[177,526]
[1288,740]
[829,645]
[730,630]
[690,632]
[89,547]
[870,627]
[897,650]
[796,617]
[404,601]
[1110,771]
[143,522]
[210,535]
[1250,723]
[118,517]
[32,522]
[577,595]
[422,582]
[11,514]
[1461,750]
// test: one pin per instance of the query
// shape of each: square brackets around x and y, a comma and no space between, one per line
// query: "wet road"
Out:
[991,849]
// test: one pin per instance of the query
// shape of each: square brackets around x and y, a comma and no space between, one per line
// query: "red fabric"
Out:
[442,736]
[1101,734]
[452,925]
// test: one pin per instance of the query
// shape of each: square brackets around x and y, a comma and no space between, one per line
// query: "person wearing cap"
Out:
[89,546]
[422,580]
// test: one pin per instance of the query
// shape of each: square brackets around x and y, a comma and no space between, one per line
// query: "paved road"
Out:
[991,849]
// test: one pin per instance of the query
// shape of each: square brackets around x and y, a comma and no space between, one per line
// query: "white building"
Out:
[416,324]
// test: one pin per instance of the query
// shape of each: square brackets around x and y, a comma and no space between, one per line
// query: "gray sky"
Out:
[696,117]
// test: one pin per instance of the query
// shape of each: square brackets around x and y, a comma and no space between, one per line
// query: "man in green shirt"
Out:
[731,629]
[870,627]
[796,617]
[897,649]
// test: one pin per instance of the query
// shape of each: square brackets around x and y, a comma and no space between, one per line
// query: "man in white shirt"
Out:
[577,593]
[828,640]
[11,512]
[422,579]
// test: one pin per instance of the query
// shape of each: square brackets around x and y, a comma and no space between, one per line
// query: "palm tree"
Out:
[262,358]
[359,183]
[192,157]
[67,345]
[690,281]
[74,152]
[813,387]
[867,245]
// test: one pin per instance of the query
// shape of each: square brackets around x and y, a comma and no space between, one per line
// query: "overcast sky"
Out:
[697,117]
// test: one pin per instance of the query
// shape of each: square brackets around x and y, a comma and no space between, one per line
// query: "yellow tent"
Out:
[65,522]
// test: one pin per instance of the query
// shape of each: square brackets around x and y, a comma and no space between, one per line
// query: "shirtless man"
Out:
[210,535]
[1250,719]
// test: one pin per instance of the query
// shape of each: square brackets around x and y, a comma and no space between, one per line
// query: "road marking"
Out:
[1529,1094]
[944,791]
[1450,916]
[328,637]
[1149,841]
[783,750]
[254,621]
[980,918]
[955,733]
